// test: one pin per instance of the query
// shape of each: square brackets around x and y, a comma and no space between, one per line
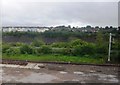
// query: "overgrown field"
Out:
[75,50]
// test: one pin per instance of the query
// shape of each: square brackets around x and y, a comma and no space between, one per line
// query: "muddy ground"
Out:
[60,73]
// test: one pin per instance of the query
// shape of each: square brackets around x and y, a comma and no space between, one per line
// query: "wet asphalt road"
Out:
[57,73]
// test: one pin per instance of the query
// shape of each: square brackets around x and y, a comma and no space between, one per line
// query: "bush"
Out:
[83,50]
[63,51]
[77,50]
[15,44]
[67,51]
[115,57]
[38,51]
[57,50]
[60,45]
[37,43]
[19,44]
[46,49]
[5,47]
[78,42]
[102,49]
[12,51]
[25,49]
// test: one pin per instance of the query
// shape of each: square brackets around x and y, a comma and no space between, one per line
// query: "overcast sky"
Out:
[74,13]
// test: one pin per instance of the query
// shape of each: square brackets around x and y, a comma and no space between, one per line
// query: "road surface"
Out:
[58,73]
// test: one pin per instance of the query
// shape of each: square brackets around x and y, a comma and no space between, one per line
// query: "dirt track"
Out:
[59,73]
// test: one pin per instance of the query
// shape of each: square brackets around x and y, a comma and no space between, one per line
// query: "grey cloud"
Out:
[55,13]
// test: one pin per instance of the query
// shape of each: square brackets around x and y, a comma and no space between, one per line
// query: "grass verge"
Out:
[54,58]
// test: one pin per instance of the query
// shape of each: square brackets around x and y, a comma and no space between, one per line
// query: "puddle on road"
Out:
[110,78]
[38,78]
[99,76]
[32,78]
[63,72]
[1,75]
[1,70]
[79,73]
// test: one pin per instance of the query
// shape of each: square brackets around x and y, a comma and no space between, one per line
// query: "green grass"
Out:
[59,58]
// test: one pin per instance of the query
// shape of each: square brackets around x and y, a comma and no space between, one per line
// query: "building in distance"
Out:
[24,29]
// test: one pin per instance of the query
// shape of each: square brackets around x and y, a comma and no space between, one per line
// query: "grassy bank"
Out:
[59,58]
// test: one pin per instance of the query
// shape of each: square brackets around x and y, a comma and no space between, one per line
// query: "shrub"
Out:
[25,49]
[64,51]
[37,43]
[67,51]
[102,49]
[19,44]
[78,42]
[12,51]
[60,45]
[88,49]
[115,57]
[83,50]
[57,50]
[46,49]
[77,50]
[5,47]
[38,51]
[16,44]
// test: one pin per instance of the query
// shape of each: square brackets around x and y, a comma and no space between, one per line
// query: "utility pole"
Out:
[109,51]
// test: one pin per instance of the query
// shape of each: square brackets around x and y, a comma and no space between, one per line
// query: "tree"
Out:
[97,27]
[69,26]
[99,39]
[111,27]
[101,45]
[88,26]
[106,27]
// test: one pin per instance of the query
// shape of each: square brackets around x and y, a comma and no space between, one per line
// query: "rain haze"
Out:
[60,41]
[77,13]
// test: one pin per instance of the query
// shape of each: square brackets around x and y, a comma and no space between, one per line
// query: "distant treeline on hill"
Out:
[68,28]
[59,34]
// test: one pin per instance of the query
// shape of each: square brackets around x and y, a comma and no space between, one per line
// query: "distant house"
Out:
[24,29]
